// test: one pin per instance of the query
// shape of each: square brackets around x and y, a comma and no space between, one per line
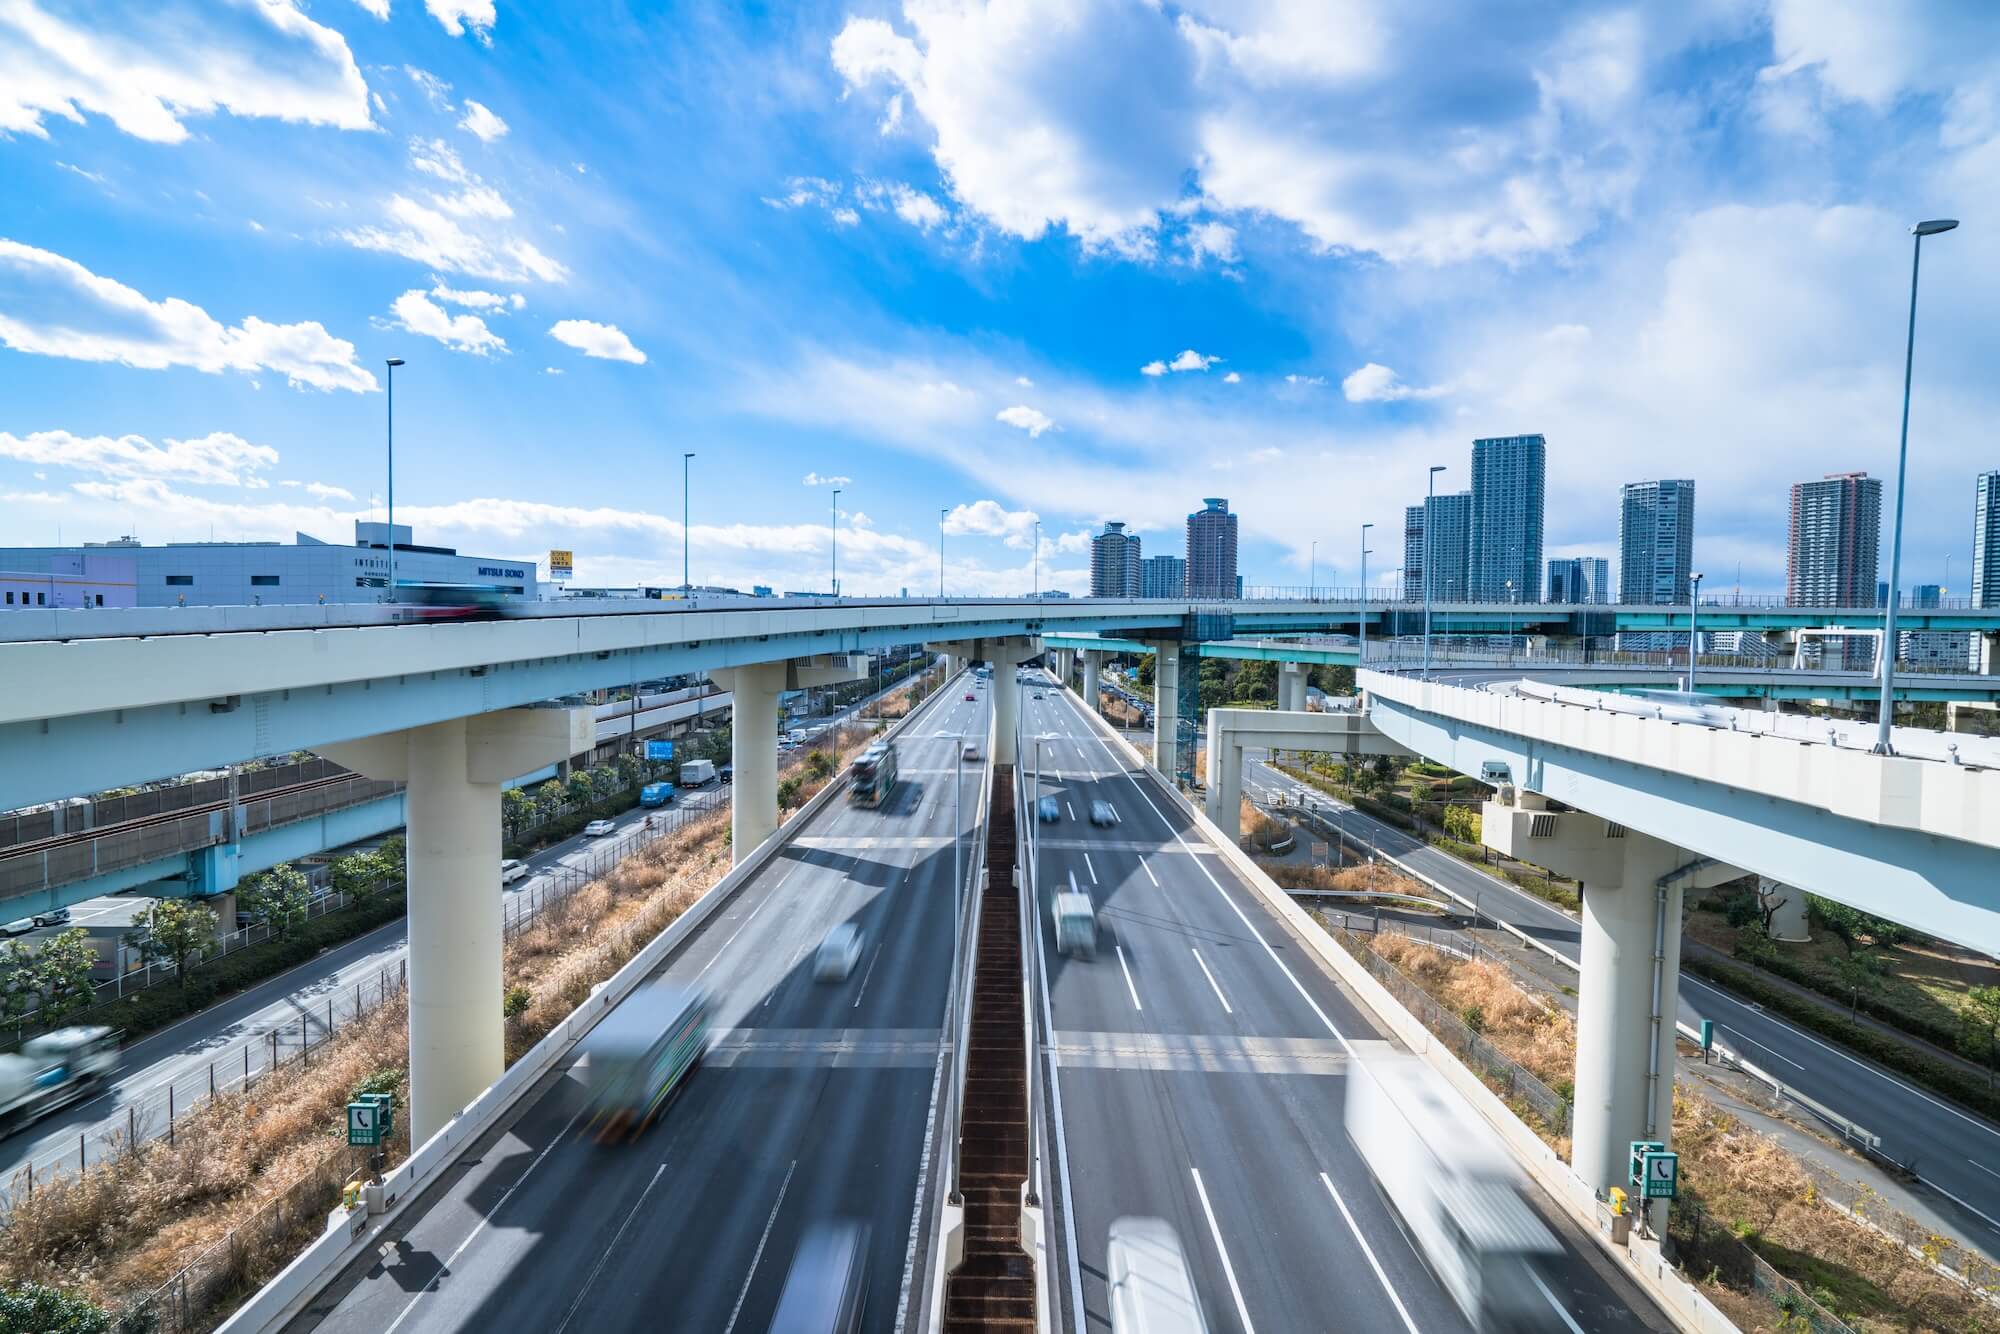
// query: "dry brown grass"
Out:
[1540,1037]
[1374,878]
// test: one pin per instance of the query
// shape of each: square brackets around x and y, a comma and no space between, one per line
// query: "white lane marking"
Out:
[1369,1251]
[1148,870]
[1543,1288]
[758,1255]
[1088,867]
[1991,1221]
[1982,1167]
[1228,1270]
[1852,1060]
[598,1268]
[485,1218]
[1062,1143]
[1071,809]
[1241,916]
[872,961]
[724,948]
[1057,773]
[1741,1036]
[1211,980]
[1128,978]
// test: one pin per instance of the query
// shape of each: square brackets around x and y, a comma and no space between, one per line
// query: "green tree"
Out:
[577,788]
[788,792]
[819,764]
[178,932]
[1981,1017]
[19,991]
[1146,670]
[62,969]
[1851,924]
[517,811]
[549,796]
[358,875]
[280,896]
[31,1308]
[1462,823]
[1256,681]
[393,854]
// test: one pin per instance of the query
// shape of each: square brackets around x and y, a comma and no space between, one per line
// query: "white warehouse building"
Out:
[123,573]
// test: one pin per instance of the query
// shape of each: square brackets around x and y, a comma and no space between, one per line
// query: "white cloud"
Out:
[1347,118]
[1232,378]
[915,207]
[846,217]
[155,65]
[989,518]
[377,8]
[814,479]
[552,370]
[482,122]
[53,306]
[1024,382]
[95,178]
[216,459]
[468,333]
[322,491]
[476,300]
[1305,380]
[435,90]
[1191,360]
[607,341]
[1028,419]
[419,232]
[459,16]
[1376,383]
[1154,368]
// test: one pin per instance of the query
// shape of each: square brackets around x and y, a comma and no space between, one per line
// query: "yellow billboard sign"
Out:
[562,564]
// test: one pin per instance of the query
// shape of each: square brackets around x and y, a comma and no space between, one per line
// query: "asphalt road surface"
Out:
[1202,1063]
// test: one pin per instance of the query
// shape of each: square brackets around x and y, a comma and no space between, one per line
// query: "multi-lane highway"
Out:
[817,1102]
[1954,1152]
[1202,1059]
[173,1069]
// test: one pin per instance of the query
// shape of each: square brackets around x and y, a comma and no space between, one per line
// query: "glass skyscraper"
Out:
[1580,580]
[1655,542]
[1508,482]
[1114,563]
[1986,540]
[1211,550]
[1445,550]
[1162,577]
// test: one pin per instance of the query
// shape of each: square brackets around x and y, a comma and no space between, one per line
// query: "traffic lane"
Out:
[724,1113]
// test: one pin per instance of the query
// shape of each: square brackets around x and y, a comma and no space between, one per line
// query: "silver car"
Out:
[838,954]
[1101,812]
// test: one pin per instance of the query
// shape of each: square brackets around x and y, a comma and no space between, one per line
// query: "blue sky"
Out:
[1021,259]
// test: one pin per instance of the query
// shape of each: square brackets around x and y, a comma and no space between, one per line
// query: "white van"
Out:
[512,870]
[1146,1271]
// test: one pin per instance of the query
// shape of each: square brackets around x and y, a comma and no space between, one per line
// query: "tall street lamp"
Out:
[686,585]
[1510,618]
[1361,620]
[836,542]
[1312,574]
[942,515]
[392,363]
[1694,635]
[1430,562]
[1038,560]
[1888,708]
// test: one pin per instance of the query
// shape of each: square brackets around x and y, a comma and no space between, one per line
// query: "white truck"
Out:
[1459,1193]
[52,1071]
[697,772]
[1076,921]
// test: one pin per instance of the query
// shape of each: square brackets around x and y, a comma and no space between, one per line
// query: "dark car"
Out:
[1102,813]
[1048,809]
[826,1291]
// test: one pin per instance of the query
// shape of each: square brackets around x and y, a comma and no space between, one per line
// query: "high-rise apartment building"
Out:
[1163,577]
[1580,580]
[1508,482]
[1940,650]
[1655,542]
[1211,550]
[1836,528]
[1444,553]
[1413,553]
[1114,563]
[1986,540]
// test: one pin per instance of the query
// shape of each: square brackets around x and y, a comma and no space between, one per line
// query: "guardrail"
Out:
[348,1235]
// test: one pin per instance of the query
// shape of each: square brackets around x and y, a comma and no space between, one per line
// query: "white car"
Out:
[598,828]
[838,954]
[512,870]
[971,751]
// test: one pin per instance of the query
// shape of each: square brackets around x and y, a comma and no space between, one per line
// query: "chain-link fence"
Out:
[1508,1077]
[1708,1250]
[1968,1266]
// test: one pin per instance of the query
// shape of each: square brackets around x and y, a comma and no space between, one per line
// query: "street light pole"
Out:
[942,514]
[392,363]
[1312,574]
[1430,561]
[836,543]
[1510,618]
[687,586]
[1361,619]
[1887,711]
[1694,634]
[1038,559]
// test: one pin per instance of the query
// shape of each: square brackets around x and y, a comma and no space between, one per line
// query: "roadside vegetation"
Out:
[1740,1188]
[110,1236]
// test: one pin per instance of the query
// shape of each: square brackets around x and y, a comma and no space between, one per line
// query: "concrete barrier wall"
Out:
[349,1235]
[1642,1261]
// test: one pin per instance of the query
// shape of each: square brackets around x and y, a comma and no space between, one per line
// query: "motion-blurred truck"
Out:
[52,1071]
[1459,1193]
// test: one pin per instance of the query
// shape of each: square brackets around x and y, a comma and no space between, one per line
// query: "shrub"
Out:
[31,1308]
[515,1002]
[380,1081]
[788,791]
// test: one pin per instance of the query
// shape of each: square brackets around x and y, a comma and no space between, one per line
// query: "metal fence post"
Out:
[170,1112]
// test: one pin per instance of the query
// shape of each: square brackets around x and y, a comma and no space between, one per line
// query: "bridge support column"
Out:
[1092,659]
[1989,652]
[1166,707]
[1789,920]
[1628,991]
[753,736]
[1005,657]
[1292,687]
[454,770]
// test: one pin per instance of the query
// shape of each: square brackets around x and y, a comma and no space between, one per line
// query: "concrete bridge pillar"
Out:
[1005,657]
[1630,975]
[1092,659]
[1789,920]
[753,736]
[454,770]
[1166,707]
[1989,652]
[1292,686]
